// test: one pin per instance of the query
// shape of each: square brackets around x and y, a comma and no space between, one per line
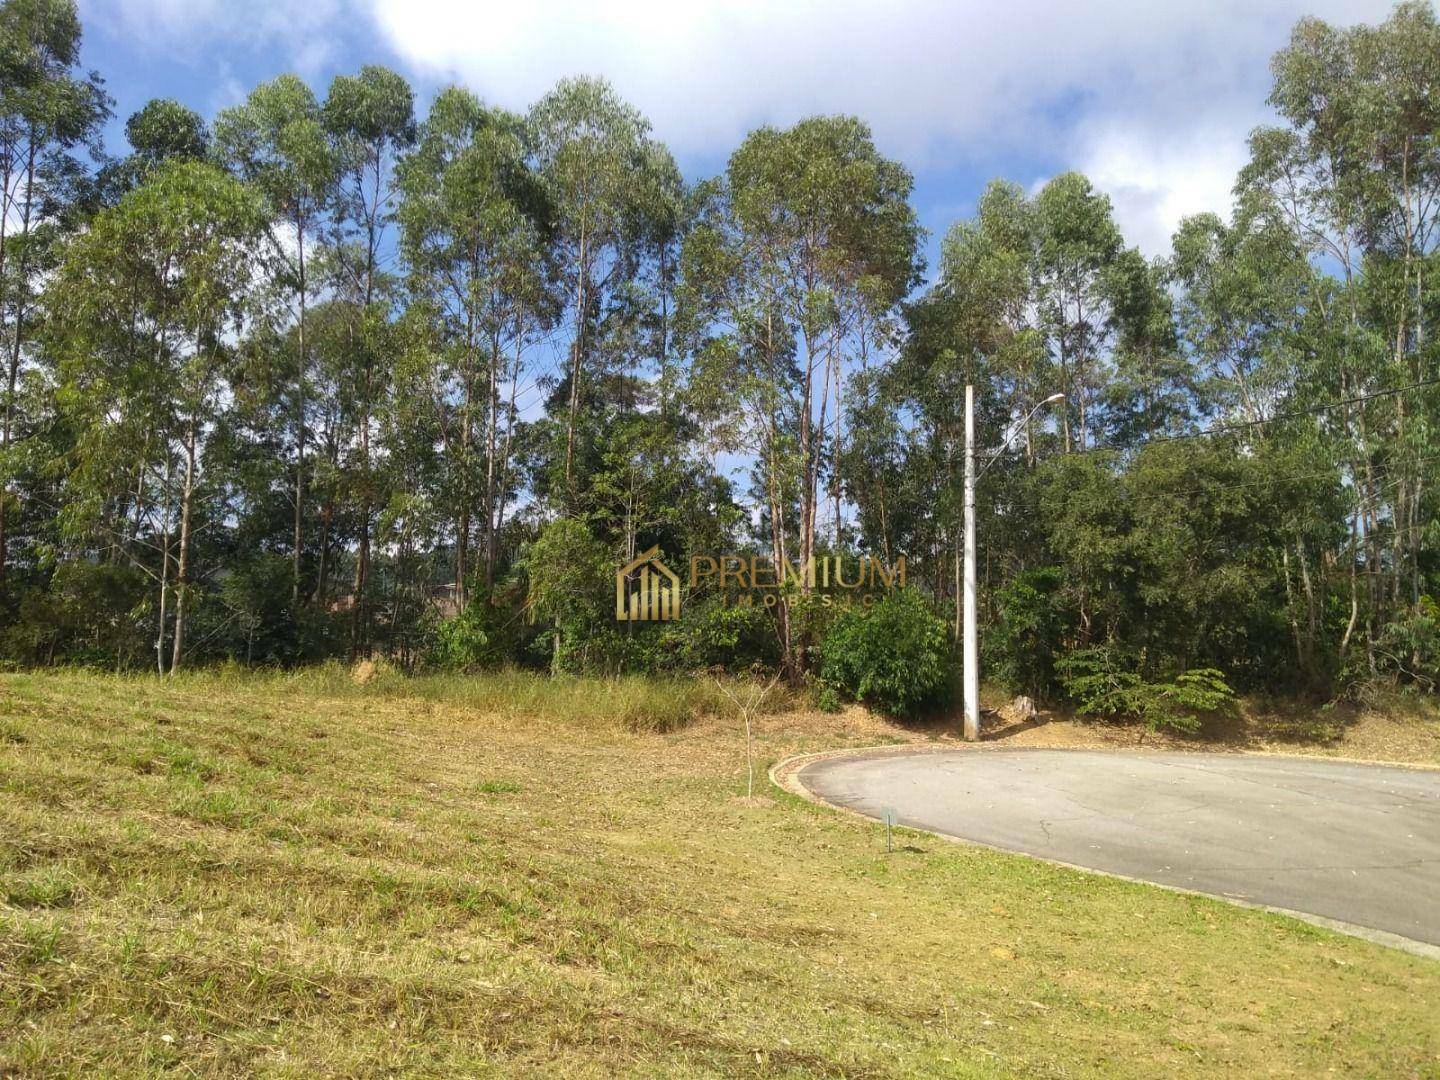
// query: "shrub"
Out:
[1409,646]
[461,643]
[1021,652]
[714,634]
[479,637]
[570,573]
[93,613]
[895,655]
[1103,681]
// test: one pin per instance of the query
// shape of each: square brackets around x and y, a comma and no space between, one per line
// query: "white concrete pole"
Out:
[972,643]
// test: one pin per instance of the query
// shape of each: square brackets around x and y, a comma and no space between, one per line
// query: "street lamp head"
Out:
[1052,399]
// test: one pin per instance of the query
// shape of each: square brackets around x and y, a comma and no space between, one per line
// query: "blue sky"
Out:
[1152,101]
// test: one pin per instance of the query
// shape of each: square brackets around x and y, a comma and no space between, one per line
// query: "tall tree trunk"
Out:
[467,436]
[1065,381]
[12,379]
[775,488]
[164,565]
[322,574]
[1354,586]
[182,576]
[360,582]
[302,361]
[1291,617]
[492,555]
[807,460]
[578,351]
[1415,542]
[1082,387]
[362,549]
[359,627]
[491,446]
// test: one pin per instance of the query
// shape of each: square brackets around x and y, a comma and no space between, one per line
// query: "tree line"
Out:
[321,376]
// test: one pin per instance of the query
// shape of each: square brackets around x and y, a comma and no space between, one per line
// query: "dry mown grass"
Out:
[1395,728]
[303,875]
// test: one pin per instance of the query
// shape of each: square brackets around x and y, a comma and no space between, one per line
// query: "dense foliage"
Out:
[1102,681]
[894,655]
[322,376]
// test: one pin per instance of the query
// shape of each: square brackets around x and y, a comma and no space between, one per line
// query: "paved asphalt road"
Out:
[1358,843]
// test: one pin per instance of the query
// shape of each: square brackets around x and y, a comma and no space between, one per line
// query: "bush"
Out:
[461,643]
[1409,647]
[713,634]
[895,656]
[1103,681]
[476,638]
[1021,652]
[570,572]
[93,614]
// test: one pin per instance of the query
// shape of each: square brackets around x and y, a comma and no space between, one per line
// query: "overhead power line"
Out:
[1245,425]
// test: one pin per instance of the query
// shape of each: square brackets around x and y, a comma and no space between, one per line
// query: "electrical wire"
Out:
[1245,425]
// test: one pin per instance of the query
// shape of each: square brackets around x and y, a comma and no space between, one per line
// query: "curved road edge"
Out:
[785,774]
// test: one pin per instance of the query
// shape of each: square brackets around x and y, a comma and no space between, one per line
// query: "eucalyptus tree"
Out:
[598,163]
[1077,245]
[663,210]
[943,352]
[834,240]
[984,310]
[1239,312]
[143,306]
[635,419]
[277,141]
[1354,175]
[1153,389]
[1237,288]
[742,370]
[800,257]
[411,522]
[162,130]
[475,223]
[48,110]
[1036,295]
[979,325]
[370,117]
[876,467]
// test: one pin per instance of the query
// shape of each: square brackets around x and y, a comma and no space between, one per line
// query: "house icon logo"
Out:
[646,590]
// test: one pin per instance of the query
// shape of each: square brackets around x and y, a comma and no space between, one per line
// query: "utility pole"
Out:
[972,643]
[972,639]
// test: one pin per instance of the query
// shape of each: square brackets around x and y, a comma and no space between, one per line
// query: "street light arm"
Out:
[1051,400]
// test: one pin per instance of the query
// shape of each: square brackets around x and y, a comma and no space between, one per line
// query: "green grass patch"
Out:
[497,787]
[299,874]
[47,887]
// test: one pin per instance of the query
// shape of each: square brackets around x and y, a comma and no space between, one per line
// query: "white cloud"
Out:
[919,69]
[1155,178]
[1153,99]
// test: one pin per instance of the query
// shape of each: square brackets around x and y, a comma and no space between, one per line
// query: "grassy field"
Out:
[301,875]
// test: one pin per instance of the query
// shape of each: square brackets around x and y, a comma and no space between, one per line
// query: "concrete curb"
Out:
[786,776]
